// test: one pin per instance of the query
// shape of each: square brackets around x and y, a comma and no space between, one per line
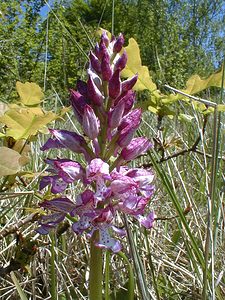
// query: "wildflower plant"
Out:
[104,108]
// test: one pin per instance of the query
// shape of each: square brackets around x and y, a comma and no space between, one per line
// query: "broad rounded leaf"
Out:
[196,84]
[30,93]
[134,66]
[9,161]
[22,123]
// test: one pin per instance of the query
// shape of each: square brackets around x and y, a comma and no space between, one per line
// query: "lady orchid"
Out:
[104,108]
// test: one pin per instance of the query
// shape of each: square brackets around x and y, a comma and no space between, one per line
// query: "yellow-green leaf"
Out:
[23,123]
[9,161]
[221,107]
[134,66]
[30,93]
[196,84]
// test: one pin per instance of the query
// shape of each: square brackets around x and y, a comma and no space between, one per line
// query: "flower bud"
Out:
[136,147]
[94,93]
[95,62]
[106,67]
[70,140]
[128,100]
[105,38]
[115,85]
[132,119]
[115,116]
[78,102]
[82,88]
[118,44]
[129,83]
[102,49]
[126,136]
[121,62]
[90,123]
[59,204]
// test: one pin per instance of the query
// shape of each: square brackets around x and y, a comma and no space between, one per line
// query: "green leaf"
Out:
[24,122]
[30,93]
[9,161]
[18,286]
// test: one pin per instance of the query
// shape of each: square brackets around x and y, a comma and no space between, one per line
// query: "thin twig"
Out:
[201,100]
[193,148]
[13,228]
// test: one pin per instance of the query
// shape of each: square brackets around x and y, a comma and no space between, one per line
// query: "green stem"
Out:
[53,286]
[95,281]
[107,259]
[131,277]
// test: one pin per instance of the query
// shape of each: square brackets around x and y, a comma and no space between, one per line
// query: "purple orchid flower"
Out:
[104,108]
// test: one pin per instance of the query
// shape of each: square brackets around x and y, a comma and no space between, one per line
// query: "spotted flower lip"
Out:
[104,109]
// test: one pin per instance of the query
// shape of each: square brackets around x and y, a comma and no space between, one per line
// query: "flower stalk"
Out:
[96,274]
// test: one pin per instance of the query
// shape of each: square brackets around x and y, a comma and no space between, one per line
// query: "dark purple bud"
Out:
[82,88]
[78,103]
[105,39]
[121,62]
[115,116]
[93,92]
[128,100]
[128,126]
[136,147]
[106,67]
[90,123]
[129,83]
[63,205]
[118,44]
[126,136]
[102,50]
[68,139]
[51,144]
[115,85]
[132,119]
[95,62]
